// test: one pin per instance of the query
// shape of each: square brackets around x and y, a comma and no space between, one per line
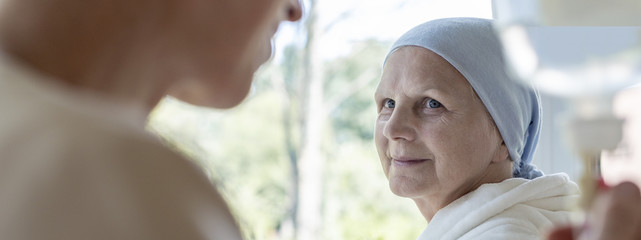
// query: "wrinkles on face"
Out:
[448,120]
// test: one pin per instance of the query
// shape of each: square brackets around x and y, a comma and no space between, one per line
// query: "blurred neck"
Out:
[88,45]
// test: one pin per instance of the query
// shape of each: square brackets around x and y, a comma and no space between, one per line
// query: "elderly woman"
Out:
[457,136]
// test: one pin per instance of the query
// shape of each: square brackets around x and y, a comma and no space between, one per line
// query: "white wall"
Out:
[553,153]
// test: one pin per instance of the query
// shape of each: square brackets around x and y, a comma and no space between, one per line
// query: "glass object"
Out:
[582,50]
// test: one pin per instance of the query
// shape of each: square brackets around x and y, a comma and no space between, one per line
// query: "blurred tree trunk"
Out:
[287,225]
[307,158]
[311,160]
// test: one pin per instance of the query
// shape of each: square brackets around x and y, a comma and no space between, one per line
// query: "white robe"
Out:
[76,166]
[516,208]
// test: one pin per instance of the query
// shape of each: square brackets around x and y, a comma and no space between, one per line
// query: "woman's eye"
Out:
[433,104]
[389,103]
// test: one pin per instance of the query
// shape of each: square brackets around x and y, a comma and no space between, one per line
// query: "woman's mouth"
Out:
[407,162]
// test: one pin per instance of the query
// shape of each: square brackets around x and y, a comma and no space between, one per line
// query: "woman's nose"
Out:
[294,10]
[399,127]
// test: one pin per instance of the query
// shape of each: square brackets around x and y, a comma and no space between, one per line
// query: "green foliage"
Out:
[359,202]
[354,117]
[242,152]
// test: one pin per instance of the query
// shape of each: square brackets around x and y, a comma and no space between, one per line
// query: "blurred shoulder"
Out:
[75,167]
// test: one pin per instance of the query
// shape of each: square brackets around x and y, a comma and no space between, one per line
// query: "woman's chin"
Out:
[405,187]
[220,103]
[203,96]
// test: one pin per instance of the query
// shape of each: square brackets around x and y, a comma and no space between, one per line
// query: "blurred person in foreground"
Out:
[457,136]
[77,82]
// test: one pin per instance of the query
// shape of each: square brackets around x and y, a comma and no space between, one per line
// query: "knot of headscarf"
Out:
[472,47]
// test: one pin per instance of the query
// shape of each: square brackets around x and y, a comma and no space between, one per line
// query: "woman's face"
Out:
[222,43]
[433,134]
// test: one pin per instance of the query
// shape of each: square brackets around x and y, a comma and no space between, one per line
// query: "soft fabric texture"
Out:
[73,166]
[516,208]
[472,47]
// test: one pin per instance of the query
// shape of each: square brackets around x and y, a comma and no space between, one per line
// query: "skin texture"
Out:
[243,47]
[137,51]
[434,153]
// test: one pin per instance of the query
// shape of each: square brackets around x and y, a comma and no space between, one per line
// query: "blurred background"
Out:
[297,160]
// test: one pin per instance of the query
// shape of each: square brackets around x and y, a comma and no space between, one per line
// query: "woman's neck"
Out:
[496,172]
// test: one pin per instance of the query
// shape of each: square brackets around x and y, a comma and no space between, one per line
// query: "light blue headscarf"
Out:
[472,47]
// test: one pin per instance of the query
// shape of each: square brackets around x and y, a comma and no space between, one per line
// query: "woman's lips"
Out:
[408,162]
